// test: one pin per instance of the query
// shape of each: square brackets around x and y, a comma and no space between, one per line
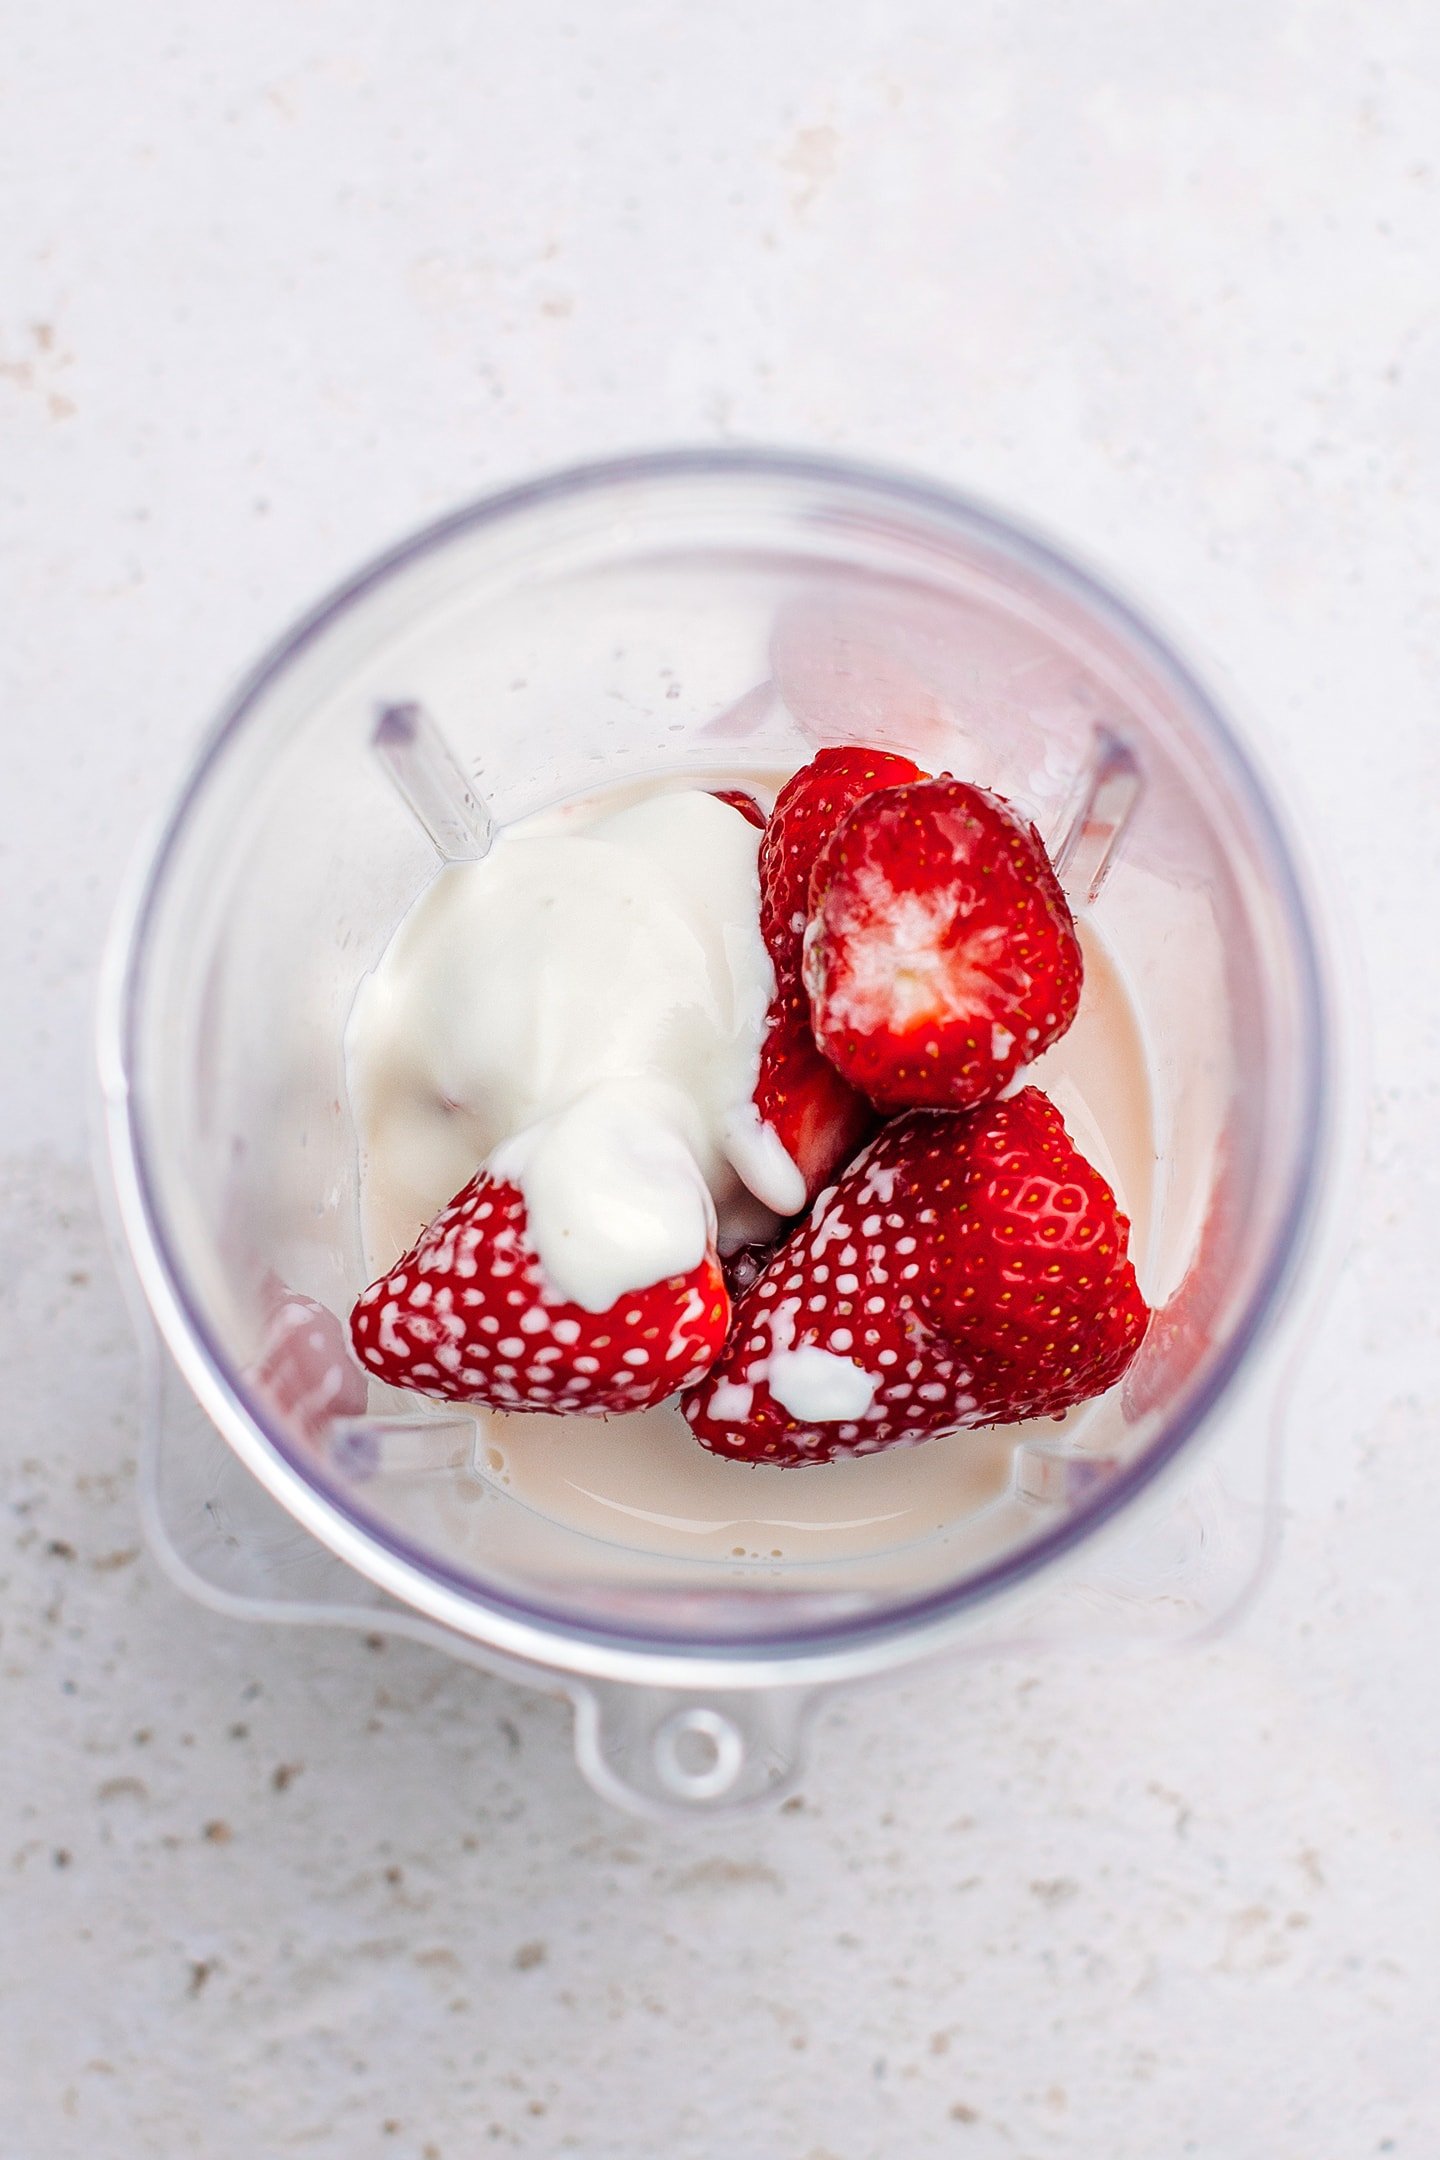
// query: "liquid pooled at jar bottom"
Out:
[643,1482]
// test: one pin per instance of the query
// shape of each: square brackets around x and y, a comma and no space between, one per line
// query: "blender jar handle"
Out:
[672,1755]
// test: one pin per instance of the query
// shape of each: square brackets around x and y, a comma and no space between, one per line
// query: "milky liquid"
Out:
[643,1482]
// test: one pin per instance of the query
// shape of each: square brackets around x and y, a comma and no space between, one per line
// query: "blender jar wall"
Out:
[727,615]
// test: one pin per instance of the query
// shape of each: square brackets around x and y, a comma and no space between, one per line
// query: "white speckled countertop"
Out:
[279,283]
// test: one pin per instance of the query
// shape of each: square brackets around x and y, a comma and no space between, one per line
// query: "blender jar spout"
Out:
[673,1756]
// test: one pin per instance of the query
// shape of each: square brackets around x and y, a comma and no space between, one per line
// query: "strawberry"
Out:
[859,1335]
[304,1368]
[940,953]
[468,1313]
[830,1353]
[818,1118]
[1031,1258]
[747,806]
[807,810]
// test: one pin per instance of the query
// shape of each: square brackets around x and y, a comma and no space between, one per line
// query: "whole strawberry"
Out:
[927,1293]
[468,1313]
[940,954]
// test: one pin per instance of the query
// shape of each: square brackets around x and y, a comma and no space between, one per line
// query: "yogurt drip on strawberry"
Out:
[584,1008]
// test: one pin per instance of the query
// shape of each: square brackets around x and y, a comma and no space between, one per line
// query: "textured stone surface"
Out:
[280,282]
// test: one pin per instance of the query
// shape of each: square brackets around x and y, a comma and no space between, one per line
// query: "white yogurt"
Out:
[818,1386]
[614,1198]
[589,1001]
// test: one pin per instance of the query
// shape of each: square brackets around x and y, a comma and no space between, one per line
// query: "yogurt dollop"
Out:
[820,1387]
[584,1009]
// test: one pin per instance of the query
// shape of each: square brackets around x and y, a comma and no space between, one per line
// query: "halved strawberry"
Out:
[849,1341]
[1030,1256]
[807,810]
[818,1118]
[468,1313]
[940,952]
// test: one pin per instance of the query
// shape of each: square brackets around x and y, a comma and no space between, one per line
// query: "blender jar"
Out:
[694,615]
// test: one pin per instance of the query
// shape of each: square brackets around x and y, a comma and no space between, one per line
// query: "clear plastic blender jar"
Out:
[714,615]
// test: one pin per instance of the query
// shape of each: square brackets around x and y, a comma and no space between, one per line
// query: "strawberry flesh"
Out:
[940,954]
[469,1313]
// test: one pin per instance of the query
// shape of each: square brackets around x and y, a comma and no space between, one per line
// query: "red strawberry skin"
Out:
[940,953]
[818,1118]
[1031,1261]
[807,810]
[889,1274]
[468,1313]
[747,806]
[847,1282]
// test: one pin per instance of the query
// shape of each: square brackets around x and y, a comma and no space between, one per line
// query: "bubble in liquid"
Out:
[494,1459]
